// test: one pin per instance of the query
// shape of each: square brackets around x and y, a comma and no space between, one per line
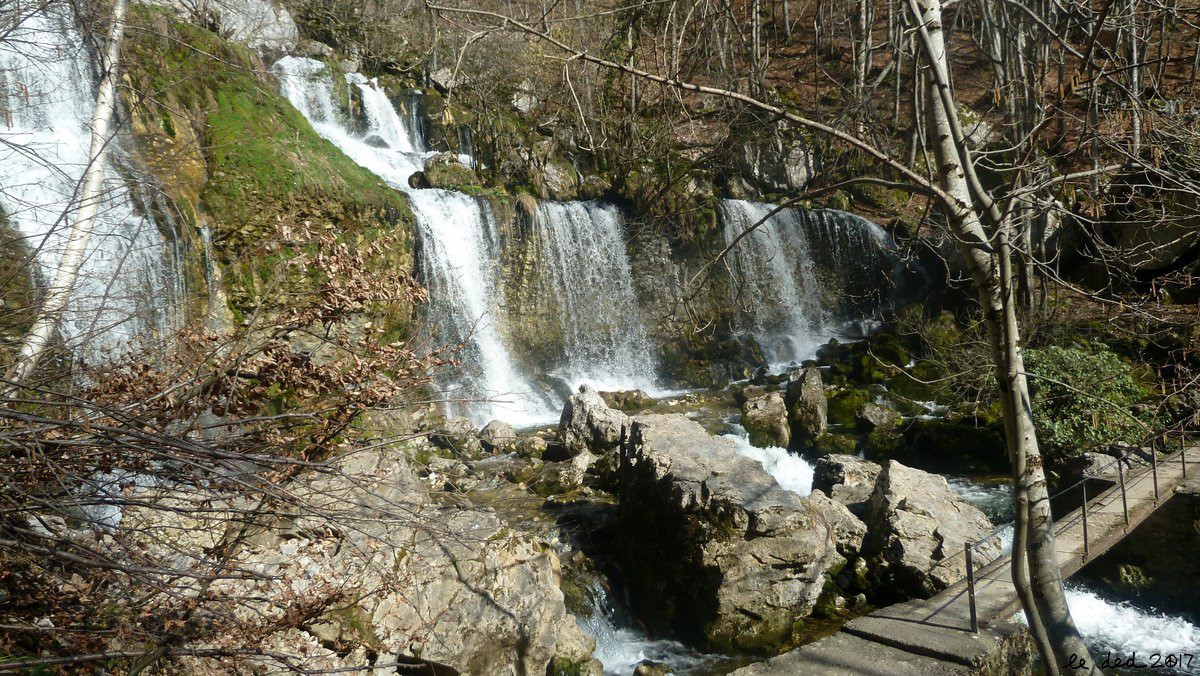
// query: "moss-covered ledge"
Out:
[235,156]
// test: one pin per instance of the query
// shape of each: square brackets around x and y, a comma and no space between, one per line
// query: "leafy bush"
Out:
[1083,399]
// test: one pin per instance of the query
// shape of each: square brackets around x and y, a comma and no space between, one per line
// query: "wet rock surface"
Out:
[766,420]
[846,479]
[498,437]
[806,403]
[588,424]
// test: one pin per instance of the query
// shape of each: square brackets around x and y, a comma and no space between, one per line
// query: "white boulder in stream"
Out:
[587,423]
[715,550]
[847,479]
[918,526]
[766,420]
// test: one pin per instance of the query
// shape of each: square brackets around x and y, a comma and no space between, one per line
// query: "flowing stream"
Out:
[790,470]
[128,289]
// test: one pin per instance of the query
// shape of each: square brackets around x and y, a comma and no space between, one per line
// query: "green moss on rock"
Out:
[234,155]
[832,443]
[450,174]
[844,406]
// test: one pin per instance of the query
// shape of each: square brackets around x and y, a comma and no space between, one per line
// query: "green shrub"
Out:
[1083,399]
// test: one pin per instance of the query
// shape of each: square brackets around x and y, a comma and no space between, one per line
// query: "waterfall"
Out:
[621,644]
[127,290]
[459,247]
[605,344]
[802,276]
[457,243]
[387,147]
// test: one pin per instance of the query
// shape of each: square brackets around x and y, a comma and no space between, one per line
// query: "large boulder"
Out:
[498,437]
[766,420]
[588,424]
[458,436]
[917,527]
[714,549]
[877,417]
[446,170]
[847,479]
[806,404]
[564,476]
[627,400]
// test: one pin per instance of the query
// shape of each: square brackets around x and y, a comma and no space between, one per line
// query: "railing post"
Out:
[1085,532]
[1124,501]
[971,588]
[1154,468]
[1183,457]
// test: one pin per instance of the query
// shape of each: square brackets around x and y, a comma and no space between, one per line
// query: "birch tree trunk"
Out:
[990,264]
[90,197]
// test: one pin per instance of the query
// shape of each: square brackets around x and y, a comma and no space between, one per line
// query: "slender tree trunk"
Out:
[1135,81]
[90,197]
[990,263]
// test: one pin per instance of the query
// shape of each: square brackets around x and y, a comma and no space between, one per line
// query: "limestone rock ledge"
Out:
[373,572]
[714,549]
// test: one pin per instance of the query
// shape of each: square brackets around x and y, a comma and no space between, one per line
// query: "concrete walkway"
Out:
[934,636]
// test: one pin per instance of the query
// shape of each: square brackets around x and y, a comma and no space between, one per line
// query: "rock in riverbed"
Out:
[918,526]
[588,424]
[806,404]
[714,548]
[847,479]
[766,420]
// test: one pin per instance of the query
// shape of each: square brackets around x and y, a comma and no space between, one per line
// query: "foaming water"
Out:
[128,290]
[790,471]
[620,647]
[387,147]
[586,264]
[1120,628]
[456,238]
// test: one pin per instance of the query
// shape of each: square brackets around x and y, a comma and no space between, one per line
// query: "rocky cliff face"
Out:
[264,25]
[369,571]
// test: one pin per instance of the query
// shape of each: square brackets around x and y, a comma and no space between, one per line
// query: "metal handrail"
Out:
[969,547]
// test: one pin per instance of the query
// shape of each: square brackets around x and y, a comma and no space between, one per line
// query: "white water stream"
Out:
[588,269]
[128,289]
[1119,628]
[789,469]
[457,241]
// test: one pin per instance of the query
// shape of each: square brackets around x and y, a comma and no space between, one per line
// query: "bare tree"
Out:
[59,293]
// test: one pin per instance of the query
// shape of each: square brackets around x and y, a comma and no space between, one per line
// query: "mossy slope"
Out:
[234,155]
